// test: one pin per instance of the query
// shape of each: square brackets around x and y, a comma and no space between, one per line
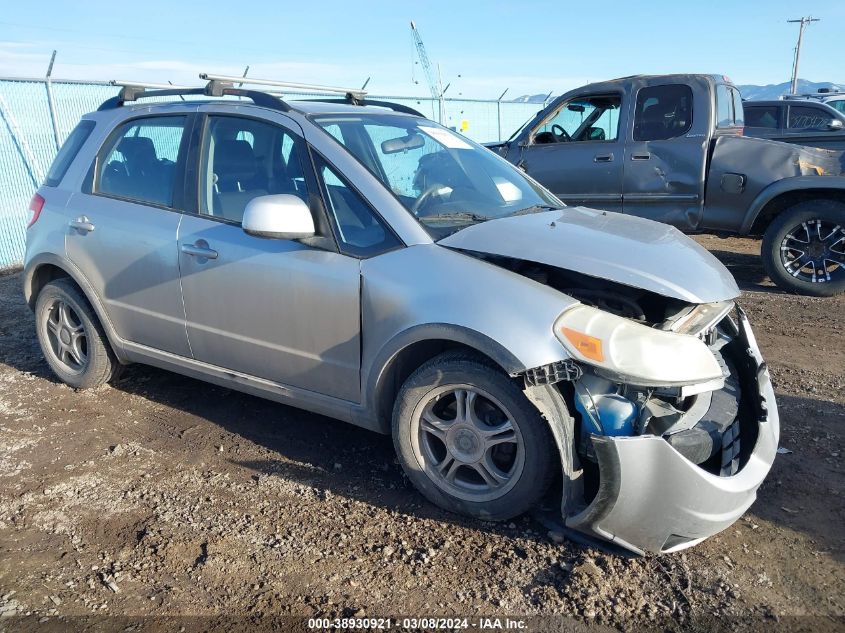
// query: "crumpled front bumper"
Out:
[651,498]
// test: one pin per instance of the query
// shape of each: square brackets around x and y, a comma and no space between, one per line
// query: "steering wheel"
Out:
[560,133]
[424,197]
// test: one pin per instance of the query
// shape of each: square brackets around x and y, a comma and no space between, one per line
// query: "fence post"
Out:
[499,112]
[51,104]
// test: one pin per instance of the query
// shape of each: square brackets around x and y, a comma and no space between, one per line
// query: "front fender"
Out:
[788,185]
[429,292]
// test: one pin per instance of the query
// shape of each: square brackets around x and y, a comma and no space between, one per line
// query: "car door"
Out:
[577,152]
[287,311]
[665,159]
[122,235]
[813,124]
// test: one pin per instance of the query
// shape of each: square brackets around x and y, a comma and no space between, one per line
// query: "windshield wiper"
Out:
[456,215]
[537,208]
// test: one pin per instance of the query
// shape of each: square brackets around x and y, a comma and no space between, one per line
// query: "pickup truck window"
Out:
[808,118]
[739,110]
[589,118]
[729,108]
[663,112]
[761,116]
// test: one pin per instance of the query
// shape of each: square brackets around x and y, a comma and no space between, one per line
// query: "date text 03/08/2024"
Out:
[420,623]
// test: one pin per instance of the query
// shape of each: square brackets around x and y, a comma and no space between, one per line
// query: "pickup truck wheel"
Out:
[470,441]
[803,249]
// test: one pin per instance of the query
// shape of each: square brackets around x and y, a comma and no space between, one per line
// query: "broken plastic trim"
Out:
[553,373]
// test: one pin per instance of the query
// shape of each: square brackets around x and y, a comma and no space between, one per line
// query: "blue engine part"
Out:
[605,413]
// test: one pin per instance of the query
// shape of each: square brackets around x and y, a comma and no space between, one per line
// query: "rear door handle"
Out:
[200,249]
[643,156]
[81,224]
[603,158]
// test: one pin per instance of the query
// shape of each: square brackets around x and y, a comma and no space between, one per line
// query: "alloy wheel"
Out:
[814,251]
[468,443]
[66,335]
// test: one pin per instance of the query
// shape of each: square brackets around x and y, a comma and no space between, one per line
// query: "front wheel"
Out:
[469,439]
[803,249]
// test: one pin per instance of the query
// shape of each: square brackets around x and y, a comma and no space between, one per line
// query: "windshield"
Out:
[838,105]
[445,180]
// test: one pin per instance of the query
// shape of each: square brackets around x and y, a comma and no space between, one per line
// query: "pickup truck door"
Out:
[576,151]
[666,156]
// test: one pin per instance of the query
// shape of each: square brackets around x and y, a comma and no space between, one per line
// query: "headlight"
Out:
[635,352]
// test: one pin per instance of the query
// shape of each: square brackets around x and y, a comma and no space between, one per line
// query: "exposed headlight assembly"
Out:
[634,352]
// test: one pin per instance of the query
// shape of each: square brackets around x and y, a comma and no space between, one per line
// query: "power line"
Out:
[803,22]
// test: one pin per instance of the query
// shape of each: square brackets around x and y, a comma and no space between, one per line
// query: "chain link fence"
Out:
[36,115]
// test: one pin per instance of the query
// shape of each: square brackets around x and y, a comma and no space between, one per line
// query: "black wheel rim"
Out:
[814,251]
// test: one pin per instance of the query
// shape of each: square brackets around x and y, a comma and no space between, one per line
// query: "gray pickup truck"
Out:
[670,148]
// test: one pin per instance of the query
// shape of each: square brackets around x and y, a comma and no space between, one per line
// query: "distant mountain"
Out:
[749,91]
[532,98]
[775,91]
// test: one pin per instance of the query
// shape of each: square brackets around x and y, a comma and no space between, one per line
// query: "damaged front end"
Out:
[673,426]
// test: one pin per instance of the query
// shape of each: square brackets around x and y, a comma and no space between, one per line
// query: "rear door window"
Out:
[68,152]
[663,112]
[139,163]
[808,118]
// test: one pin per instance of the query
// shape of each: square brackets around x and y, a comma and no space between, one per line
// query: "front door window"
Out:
[583,119]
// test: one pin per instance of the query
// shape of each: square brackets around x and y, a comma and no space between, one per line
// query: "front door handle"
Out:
[81,224]
[603,158]
[642,156]
[200,249]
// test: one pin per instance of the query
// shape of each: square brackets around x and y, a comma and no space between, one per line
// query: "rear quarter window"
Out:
[68,152]
[663,112]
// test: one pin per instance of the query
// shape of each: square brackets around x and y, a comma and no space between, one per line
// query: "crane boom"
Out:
[433,84]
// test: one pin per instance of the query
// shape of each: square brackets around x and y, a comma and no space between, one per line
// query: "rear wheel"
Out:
[803,249]
[469,439]
[71,337]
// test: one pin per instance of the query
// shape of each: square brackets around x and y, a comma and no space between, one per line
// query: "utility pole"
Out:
[803,22]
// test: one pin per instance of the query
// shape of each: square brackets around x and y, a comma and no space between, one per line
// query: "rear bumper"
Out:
[651,498]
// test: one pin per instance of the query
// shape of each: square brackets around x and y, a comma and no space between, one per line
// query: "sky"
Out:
[481,48]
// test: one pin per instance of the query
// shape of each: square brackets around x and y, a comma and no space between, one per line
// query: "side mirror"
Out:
[835,125]
[281,217]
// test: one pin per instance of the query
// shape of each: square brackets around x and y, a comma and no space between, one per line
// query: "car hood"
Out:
[621,248]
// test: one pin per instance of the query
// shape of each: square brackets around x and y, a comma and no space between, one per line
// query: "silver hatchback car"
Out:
[355,259]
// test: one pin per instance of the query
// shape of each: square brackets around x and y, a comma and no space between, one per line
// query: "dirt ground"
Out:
[163,496]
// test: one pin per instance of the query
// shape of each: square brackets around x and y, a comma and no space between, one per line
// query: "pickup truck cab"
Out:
[670,148]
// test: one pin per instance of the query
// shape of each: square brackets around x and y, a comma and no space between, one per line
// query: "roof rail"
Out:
[351,93]
[133,90]
[221,85]
[396,107]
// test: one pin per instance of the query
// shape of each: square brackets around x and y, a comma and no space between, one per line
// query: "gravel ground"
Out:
[164,496]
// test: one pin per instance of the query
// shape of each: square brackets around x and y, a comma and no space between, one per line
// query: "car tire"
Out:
[503,449]
[801,221]
[71,337]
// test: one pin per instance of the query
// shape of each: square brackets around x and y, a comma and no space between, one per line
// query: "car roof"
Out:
[813,103]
